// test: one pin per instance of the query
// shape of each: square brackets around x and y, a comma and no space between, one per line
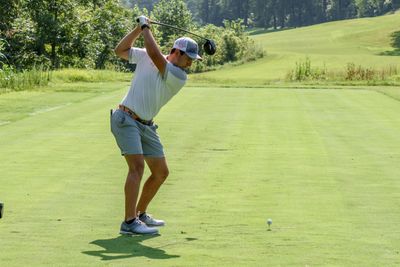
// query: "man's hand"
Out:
[143,22]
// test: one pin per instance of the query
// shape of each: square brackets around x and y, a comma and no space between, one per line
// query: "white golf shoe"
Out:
[137,227]
[150,221]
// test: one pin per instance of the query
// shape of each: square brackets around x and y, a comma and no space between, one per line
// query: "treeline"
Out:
[83,33]
[61,33]
[280,13]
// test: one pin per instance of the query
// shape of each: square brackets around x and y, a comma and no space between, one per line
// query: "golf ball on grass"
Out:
[269,222]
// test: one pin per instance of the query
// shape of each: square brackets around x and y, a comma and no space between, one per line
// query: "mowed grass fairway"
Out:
[323,164]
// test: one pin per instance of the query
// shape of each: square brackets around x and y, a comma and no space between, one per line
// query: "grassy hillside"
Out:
[334,44]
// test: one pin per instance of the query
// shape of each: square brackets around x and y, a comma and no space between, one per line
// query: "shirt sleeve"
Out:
[136,54]
[174,77]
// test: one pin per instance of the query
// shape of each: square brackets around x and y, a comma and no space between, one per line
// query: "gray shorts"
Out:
[134,137]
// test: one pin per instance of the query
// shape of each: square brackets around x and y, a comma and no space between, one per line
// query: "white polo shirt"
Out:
[149,90]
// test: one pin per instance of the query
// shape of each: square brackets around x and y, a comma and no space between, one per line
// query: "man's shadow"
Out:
[127,247]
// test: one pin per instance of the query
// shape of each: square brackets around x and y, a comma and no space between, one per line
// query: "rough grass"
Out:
[83,75]
[305,71]
[37,79]
[11,80]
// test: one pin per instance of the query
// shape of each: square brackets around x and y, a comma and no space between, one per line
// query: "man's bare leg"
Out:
[159,173]
[132,184]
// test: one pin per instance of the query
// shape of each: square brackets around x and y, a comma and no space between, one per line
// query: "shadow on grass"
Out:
[262,31]
[391,53]
[127,247]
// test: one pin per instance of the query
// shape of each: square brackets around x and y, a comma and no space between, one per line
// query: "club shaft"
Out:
[176,28]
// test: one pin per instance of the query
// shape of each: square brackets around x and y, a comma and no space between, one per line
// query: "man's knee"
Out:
[161,174]
[165,173]
[136,170]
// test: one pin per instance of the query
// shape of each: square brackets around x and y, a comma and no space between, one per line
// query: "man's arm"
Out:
[122,49]
[153,51]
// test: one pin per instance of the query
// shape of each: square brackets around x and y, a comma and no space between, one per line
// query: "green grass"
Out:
[333,44]
[321,160]
[15,106]
[323,164]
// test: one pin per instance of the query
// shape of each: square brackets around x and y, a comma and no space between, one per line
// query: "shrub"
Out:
[304,71]
[233,45]
[360,73]
[396,39]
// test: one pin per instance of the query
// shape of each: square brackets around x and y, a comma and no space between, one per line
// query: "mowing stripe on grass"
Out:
[323,164]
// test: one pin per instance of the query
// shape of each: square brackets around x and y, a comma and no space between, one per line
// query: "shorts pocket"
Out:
[118,118]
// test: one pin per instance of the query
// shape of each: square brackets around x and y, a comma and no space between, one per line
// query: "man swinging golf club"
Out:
[158,78]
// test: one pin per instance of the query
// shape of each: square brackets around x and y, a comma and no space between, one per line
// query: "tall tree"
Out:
[111,22]
[343,9]
[174,12]
[325,9]
[10,9]
[147,4]
[204,11]
[395,4]
[53,19]
[261,14]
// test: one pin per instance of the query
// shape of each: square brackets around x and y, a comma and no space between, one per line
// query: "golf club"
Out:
[209,46]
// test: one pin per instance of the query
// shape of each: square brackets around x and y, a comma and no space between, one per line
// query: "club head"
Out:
[209,47]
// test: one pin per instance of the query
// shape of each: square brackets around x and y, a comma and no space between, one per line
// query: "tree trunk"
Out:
[324,10]
[395,4]
[53,56]
[206,11]
[246,12]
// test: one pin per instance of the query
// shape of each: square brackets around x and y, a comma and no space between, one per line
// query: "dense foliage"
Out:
[280,13]
[83,33]
[396,40]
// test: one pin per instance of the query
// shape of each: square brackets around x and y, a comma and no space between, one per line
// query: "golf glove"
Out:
[143,22]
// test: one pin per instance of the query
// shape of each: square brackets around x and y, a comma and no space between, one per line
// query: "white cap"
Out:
[189,46]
